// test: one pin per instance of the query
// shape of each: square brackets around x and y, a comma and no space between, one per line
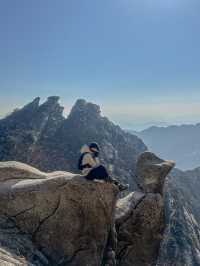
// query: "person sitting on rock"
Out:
[92,169]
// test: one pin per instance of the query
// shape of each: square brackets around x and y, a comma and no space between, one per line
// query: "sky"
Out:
[138,59]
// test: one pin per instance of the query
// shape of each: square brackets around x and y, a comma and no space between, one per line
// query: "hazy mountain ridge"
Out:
[39,135]
[180,143]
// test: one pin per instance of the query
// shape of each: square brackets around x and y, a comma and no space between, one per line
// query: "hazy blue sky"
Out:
[138,59]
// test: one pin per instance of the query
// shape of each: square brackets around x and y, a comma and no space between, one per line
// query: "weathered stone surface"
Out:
[140,215]
[139,235]
[61,219]
[17,248]
[68,218]
[151,172]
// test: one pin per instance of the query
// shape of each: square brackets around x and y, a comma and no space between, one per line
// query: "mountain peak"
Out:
[84,108]
[52,106]
[53,99]
[33,104]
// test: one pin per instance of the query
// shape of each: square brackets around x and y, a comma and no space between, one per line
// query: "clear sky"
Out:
[138,59]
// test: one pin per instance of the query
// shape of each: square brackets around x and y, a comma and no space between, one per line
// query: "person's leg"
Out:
[98,172]
[101,173]
[91,175]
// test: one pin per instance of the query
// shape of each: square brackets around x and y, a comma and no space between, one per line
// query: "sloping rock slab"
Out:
[67,217]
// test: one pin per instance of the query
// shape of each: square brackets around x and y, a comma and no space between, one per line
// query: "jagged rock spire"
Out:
[85,109]
[33,105]
[151,172]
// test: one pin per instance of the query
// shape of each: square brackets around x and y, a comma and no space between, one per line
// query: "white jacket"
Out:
[88,159]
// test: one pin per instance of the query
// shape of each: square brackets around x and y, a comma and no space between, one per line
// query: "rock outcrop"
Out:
[140,219]
[151,172]
[66,218]
[62,219]
[39,135]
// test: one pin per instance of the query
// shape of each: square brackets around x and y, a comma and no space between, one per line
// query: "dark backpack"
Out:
[80,165]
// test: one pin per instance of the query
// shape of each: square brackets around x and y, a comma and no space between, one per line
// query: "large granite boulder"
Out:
[62,219]
[67,218]
[140,215]
[151,172]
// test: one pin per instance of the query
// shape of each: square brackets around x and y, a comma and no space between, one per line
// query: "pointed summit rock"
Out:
[85,111]
[33,105]
[20,117]
[151,172]
[140,216]
[22,131]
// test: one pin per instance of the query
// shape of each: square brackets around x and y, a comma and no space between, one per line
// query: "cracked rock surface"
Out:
[65,217]
[140,215]
[16,248]
[61,219]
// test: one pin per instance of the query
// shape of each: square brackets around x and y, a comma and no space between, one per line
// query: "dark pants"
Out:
[99,172]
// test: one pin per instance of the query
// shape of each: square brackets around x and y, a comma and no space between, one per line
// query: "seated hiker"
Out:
[91,167]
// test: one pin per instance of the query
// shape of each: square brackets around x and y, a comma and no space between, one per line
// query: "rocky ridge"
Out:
[40,136]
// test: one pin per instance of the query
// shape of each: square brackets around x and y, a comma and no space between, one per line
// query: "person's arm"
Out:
[88,160]
[97,161]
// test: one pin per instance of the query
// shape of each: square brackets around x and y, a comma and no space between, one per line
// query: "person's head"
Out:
[94,148]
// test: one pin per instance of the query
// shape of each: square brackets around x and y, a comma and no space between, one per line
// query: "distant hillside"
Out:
[179,143]
[40,136]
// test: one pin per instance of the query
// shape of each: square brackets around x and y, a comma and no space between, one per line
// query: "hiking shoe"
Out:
[123,187]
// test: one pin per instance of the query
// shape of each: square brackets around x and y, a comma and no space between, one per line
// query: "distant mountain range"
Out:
[179,143]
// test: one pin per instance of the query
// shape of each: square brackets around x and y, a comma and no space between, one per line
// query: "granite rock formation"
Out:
[67,218]
[16,247]
[39,135]
[60,218]
[140,220]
